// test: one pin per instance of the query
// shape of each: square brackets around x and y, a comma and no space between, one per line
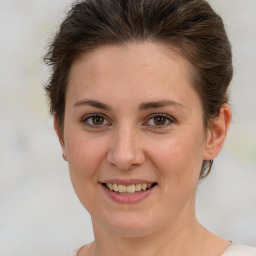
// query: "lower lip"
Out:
[128,198]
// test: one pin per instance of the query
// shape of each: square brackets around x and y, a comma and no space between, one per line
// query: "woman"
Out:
[139,97]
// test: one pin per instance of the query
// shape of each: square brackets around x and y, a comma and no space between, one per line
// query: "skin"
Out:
[127,143]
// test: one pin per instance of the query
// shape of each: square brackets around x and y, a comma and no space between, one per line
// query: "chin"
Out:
[130,225]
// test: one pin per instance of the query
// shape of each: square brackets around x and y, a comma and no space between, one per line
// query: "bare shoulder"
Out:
[85,250]
[236,249]
[71,253]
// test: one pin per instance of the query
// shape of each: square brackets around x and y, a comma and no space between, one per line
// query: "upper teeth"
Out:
[128,189]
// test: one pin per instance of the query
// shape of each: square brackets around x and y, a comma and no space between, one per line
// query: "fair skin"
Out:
[133,117]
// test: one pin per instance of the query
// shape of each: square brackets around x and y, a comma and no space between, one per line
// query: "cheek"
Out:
[179,156]
[85,154]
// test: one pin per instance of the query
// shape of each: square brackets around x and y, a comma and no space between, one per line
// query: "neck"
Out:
[173,239]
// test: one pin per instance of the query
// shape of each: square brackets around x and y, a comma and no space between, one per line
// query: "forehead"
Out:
[143,53]
[139,70]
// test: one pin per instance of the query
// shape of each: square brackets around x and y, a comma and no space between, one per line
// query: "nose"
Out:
[126,150]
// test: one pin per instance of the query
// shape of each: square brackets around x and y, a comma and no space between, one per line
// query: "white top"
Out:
[234,249]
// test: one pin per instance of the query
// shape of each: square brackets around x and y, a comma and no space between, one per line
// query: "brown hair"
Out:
[189,26]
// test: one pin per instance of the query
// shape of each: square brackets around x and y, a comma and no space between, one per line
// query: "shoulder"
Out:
[236,249]
[72,253]
[85,250]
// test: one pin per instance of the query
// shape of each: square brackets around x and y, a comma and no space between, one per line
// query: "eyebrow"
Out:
[93,103]
[159,104]
[142,106]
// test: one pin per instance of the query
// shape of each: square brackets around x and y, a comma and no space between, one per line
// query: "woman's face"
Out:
[133,118]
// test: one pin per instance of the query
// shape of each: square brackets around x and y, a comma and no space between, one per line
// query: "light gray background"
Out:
[39,212]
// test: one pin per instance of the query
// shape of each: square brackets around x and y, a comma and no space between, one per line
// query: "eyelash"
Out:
[86,119]
[166,117]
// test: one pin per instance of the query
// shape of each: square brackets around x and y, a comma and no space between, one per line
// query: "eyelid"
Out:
[86,117]
[170,119]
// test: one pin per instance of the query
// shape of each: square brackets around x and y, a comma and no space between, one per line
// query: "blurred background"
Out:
[39,212]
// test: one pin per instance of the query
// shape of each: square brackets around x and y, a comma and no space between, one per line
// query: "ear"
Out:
[60,136]
[217,132]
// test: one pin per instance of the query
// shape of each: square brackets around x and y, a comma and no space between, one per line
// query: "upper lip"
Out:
[127,182]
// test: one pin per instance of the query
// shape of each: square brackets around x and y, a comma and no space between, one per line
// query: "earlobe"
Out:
[60,137]
[217,132]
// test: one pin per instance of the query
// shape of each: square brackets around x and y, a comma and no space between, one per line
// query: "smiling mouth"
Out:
[130,189]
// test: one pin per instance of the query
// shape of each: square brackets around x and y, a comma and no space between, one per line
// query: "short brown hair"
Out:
[189,26]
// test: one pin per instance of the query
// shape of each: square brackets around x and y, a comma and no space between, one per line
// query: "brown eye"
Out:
[97,120]
[160,120]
